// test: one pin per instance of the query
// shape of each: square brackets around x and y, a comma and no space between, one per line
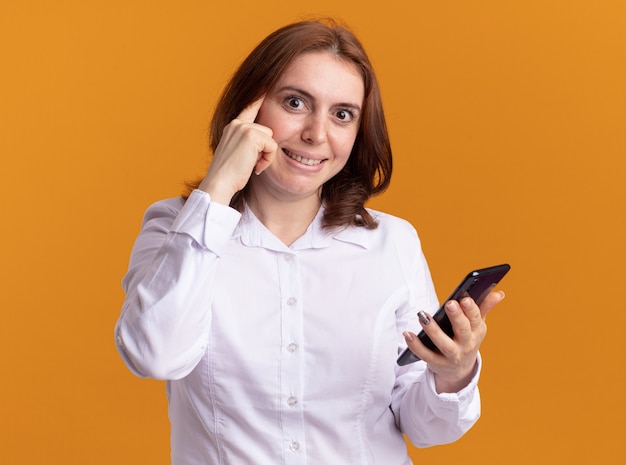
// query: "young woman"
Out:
[273,302]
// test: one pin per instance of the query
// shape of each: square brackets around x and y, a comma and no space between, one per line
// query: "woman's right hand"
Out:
[245,147]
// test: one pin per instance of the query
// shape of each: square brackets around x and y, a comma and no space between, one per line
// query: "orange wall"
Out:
[508,123]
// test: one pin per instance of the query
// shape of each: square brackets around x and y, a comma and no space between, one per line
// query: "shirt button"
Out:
[288,258]
[291,301]
[294,446]
[291,401]
[292,347]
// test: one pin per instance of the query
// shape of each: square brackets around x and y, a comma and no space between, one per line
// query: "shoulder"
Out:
[391,226]
[164,209]
[392,234]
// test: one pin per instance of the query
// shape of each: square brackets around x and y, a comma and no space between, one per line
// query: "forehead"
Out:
[324,74]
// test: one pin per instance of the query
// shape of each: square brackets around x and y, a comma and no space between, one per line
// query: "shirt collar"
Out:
[254,234]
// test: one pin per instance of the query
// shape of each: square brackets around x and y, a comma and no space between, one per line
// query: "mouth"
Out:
[301,159]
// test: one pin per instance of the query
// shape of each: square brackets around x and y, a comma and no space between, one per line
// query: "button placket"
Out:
[291,358]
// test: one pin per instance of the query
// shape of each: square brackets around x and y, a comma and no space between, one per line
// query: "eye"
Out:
[344,115]
[294,103]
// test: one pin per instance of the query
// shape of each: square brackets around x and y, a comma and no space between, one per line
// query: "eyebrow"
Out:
[351,106]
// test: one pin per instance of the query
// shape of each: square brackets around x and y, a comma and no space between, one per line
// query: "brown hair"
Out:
[368,170]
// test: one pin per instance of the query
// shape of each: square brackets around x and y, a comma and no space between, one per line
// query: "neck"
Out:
[287,219]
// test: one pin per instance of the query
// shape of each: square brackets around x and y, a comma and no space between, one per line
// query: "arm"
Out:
[443,401]
[165,320]
[430,418]
[164,327]
[436,400]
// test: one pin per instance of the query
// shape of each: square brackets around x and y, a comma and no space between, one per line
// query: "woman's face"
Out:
[314,111]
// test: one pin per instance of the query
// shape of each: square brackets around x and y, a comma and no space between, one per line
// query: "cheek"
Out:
[277,121]
[270,114]
[344,146]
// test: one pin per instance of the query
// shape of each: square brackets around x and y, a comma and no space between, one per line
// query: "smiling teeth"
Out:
[304,161]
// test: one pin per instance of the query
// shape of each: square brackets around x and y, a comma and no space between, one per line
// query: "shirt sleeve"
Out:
[165,320]
[426,417]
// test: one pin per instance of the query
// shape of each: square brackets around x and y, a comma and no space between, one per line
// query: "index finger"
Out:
[249,114]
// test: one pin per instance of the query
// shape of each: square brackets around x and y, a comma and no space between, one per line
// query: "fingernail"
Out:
[408,336]
[502,294]
[423,316]
[451,306]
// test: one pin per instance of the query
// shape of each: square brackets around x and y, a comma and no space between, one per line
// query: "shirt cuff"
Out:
[454,402]
[210,224]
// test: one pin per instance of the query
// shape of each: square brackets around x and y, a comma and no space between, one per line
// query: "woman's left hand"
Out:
[455,364]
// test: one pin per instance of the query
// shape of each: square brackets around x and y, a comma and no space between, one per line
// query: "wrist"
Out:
[218,194]
[451,383]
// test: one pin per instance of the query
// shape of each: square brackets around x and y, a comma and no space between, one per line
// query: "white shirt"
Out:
[284,355]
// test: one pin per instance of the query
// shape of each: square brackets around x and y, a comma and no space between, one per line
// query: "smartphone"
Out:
[476,285]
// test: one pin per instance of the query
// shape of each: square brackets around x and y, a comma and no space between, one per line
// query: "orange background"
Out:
[508,126]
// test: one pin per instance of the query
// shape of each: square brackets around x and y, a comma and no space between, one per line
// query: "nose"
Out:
[314,130]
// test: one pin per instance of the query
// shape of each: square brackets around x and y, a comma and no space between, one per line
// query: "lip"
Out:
[303,159]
